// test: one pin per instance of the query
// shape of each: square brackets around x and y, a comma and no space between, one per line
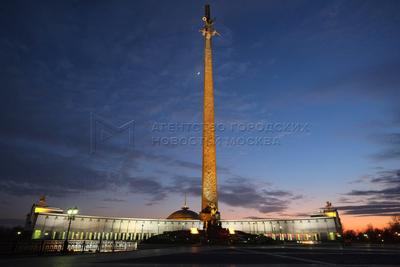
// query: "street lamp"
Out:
[71,212]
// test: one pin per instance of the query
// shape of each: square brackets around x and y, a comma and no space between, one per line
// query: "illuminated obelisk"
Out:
[209,201]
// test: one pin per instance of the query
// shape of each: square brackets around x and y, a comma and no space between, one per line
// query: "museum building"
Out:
[52,223]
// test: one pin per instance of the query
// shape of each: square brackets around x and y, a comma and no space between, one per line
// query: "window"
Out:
[36,234]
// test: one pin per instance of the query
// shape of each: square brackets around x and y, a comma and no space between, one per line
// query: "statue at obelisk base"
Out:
[209,204]
[210,216]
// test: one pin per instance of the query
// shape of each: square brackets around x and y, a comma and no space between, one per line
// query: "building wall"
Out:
[321,228]
[54,226]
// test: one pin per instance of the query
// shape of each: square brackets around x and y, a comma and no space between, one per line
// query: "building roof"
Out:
[184,214]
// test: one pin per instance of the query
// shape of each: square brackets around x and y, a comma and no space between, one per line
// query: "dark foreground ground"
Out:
[223,256]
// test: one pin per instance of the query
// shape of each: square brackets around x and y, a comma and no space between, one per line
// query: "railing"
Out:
[55,246]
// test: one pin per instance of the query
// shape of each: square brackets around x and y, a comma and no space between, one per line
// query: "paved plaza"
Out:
[223,256]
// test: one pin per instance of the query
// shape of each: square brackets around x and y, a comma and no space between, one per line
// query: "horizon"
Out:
[103,108]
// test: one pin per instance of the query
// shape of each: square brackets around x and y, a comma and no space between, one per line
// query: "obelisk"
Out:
[209,201]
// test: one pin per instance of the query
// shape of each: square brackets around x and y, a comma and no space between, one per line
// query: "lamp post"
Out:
[71,212]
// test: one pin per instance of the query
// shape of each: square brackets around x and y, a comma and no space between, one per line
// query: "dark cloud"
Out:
[148,186]
[346,200]
[54,172]
[390,138]
[235,192]
[247,194]
[36,168]
[36,171]
[113,200]
[387,177]
[241,195]
[186,184]
[391,146]
[372,208]
[388,154]
[167,160]
[277,193]
[384,193]
[384,201]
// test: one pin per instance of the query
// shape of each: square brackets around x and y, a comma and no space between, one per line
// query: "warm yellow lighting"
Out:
[41,210]
[330,213]
[231,231]
[307,242]
[36,234]
[194,231]
[18,233]
[331,236]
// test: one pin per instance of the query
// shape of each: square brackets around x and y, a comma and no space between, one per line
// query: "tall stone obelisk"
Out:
[209,201]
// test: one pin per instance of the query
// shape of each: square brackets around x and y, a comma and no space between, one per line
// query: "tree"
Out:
[394,224]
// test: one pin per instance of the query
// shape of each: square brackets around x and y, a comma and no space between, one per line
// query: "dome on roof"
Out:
[184,214]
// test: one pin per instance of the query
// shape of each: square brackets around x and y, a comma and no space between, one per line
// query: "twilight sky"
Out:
[306,96]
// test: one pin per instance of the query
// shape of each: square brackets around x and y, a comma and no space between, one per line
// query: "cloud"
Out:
[391,143]
[240,192]
[387,177]
[384,201]
[373,208]
[113,200]
[36,168]
[384,193]
[244,193]
[148,186]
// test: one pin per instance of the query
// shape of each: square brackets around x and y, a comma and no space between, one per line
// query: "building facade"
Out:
[47,224]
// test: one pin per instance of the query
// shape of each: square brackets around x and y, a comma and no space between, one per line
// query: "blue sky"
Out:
[330,65]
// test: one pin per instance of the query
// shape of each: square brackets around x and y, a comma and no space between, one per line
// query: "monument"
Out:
[209,201]
[44,222]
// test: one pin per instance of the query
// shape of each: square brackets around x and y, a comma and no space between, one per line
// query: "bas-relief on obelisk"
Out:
[209,202]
